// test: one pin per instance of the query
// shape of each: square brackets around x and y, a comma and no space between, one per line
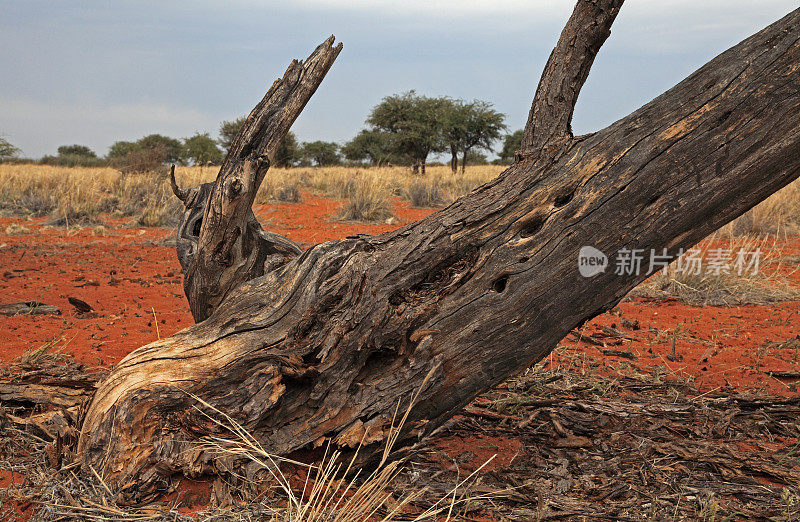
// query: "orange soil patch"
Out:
[312,221]
[191,496]
[10,507]
[480,451]
[737,347]
[134,284]
[10,478]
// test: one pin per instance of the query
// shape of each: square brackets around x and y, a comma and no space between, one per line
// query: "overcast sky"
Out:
[95,72]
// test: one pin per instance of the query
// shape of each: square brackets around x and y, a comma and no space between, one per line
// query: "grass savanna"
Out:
[80,195]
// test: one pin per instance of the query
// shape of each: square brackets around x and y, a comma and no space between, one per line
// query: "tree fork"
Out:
[220,242]
[324,346]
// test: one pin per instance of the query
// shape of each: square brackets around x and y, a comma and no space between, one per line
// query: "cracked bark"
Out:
[324,345]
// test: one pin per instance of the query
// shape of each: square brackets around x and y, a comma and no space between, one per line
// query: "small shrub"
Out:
[425,192]
[368,199]
[288,194]
[149,198]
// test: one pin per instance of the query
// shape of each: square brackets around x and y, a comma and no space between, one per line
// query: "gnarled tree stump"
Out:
[321,345]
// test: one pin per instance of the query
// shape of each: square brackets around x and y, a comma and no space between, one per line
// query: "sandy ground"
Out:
[131,277]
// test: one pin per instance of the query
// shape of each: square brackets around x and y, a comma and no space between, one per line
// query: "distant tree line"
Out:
[403,129]
[7,150]
[147,153]
[407,128]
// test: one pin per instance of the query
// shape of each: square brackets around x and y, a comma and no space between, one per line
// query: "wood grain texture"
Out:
[220,242]
[324,347]
[550,118]
[28,308]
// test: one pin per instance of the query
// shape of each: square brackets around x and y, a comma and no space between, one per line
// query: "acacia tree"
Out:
[201,149]
[76,150]
[511,144]
[74,156]
[228,130]
[120,149]
[321,153]
[7,150]
[300,348]
[375,146]
[455,129]
[169,149]
[415,123]
[145,154]
[469,126]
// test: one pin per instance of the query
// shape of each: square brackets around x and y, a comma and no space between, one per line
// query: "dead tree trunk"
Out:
[220,242]
[323,346]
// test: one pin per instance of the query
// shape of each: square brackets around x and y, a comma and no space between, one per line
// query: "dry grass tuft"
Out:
[720,288]
[778,214]
[426,192]
[367,198]
[282,186]
[15,229]
[331,492]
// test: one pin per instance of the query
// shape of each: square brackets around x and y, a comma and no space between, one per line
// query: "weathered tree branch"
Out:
[548,126]
[229,246]
[325,346]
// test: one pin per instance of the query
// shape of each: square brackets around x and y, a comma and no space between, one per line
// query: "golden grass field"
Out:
[75,196]
[80,195]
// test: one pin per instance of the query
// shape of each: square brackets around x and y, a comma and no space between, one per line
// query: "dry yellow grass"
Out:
[762,283]
[75,196]
[79,195]
[779,214]
[338,181]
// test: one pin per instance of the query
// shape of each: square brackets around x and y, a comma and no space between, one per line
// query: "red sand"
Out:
[714,345]
[484,452]
[135,286]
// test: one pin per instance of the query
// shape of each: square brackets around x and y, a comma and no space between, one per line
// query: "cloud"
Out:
[39,127]
[454,8]
[89,73]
